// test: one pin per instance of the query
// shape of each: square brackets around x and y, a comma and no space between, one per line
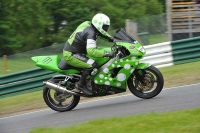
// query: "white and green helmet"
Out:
[101,22]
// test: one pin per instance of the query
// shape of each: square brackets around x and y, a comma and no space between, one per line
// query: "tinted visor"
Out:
[105,27]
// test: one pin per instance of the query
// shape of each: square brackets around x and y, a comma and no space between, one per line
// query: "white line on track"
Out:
[96,100]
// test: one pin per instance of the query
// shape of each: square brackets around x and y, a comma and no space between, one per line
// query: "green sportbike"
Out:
[113,76]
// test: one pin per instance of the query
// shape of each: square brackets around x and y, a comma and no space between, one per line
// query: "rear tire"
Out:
[154,84]
[59,101]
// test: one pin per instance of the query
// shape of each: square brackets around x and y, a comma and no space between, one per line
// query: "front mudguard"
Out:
[143,66]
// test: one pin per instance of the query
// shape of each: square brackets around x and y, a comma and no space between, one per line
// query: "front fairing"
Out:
[135,49]
[124,39]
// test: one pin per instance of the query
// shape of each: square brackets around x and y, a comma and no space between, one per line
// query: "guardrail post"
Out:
[5,64]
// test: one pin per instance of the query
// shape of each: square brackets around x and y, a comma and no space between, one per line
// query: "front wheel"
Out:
[152,85]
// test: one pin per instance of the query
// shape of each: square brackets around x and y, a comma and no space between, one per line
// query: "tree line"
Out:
[31,24]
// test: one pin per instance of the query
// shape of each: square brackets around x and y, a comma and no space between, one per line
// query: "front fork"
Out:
[140,75]
[140,72]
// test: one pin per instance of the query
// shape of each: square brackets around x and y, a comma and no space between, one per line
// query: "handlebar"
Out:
[113,46]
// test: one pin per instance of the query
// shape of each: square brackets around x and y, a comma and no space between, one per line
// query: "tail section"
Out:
[51,63]
[47,62]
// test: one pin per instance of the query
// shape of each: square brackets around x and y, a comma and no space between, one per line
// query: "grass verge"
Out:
[187,121]
[157,38]
[173,76]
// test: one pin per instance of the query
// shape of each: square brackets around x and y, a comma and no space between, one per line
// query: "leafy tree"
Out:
[8,42]
[66,18]
[30,24]
[31,20]
[153,7]
[163,3]
[22,25]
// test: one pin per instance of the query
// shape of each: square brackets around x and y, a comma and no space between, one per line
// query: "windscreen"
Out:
[123,36]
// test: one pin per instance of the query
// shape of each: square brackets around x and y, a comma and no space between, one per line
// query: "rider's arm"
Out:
[92,49]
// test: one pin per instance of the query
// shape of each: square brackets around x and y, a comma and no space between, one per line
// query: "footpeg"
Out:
[76,90]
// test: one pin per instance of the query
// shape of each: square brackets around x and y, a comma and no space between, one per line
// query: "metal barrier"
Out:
[159,55]
[23,82]
[23,75]
[173,53]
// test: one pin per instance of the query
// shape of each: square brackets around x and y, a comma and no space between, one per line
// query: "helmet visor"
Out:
[105,27]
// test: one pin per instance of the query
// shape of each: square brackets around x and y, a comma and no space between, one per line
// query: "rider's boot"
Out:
[81,85]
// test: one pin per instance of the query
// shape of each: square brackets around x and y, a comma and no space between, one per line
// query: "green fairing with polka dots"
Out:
[113,75]
[127,65]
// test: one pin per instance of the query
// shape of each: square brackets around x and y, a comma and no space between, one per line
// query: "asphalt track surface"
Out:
[178,98]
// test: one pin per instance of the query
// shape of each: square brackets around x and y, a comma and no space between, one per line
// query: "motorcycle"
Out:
[113,76]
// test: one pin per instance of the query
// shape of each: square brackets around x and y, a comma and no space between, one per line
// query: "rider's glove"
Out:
[111,39]
[109,54]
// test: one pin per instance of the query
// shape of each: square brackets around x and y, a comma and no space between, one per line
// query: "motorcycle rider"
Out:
[82,41]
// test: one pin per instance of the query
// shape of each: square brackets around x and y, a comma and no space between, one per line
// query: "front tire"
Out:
[59,101]
[153,83]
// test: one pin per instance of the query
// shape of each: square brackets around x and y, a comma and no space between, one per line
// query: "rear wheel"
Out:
[59,101]
[152,85]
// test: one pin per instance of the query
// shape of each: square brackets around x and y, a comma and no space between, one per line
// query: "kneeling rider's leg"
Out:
[82,61]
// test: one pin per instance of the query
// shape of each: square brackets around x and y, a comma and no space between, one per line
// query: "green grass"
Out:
[22,61]
[16,65]
[181,74]
[172,122]
[21,103]
[157,38]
